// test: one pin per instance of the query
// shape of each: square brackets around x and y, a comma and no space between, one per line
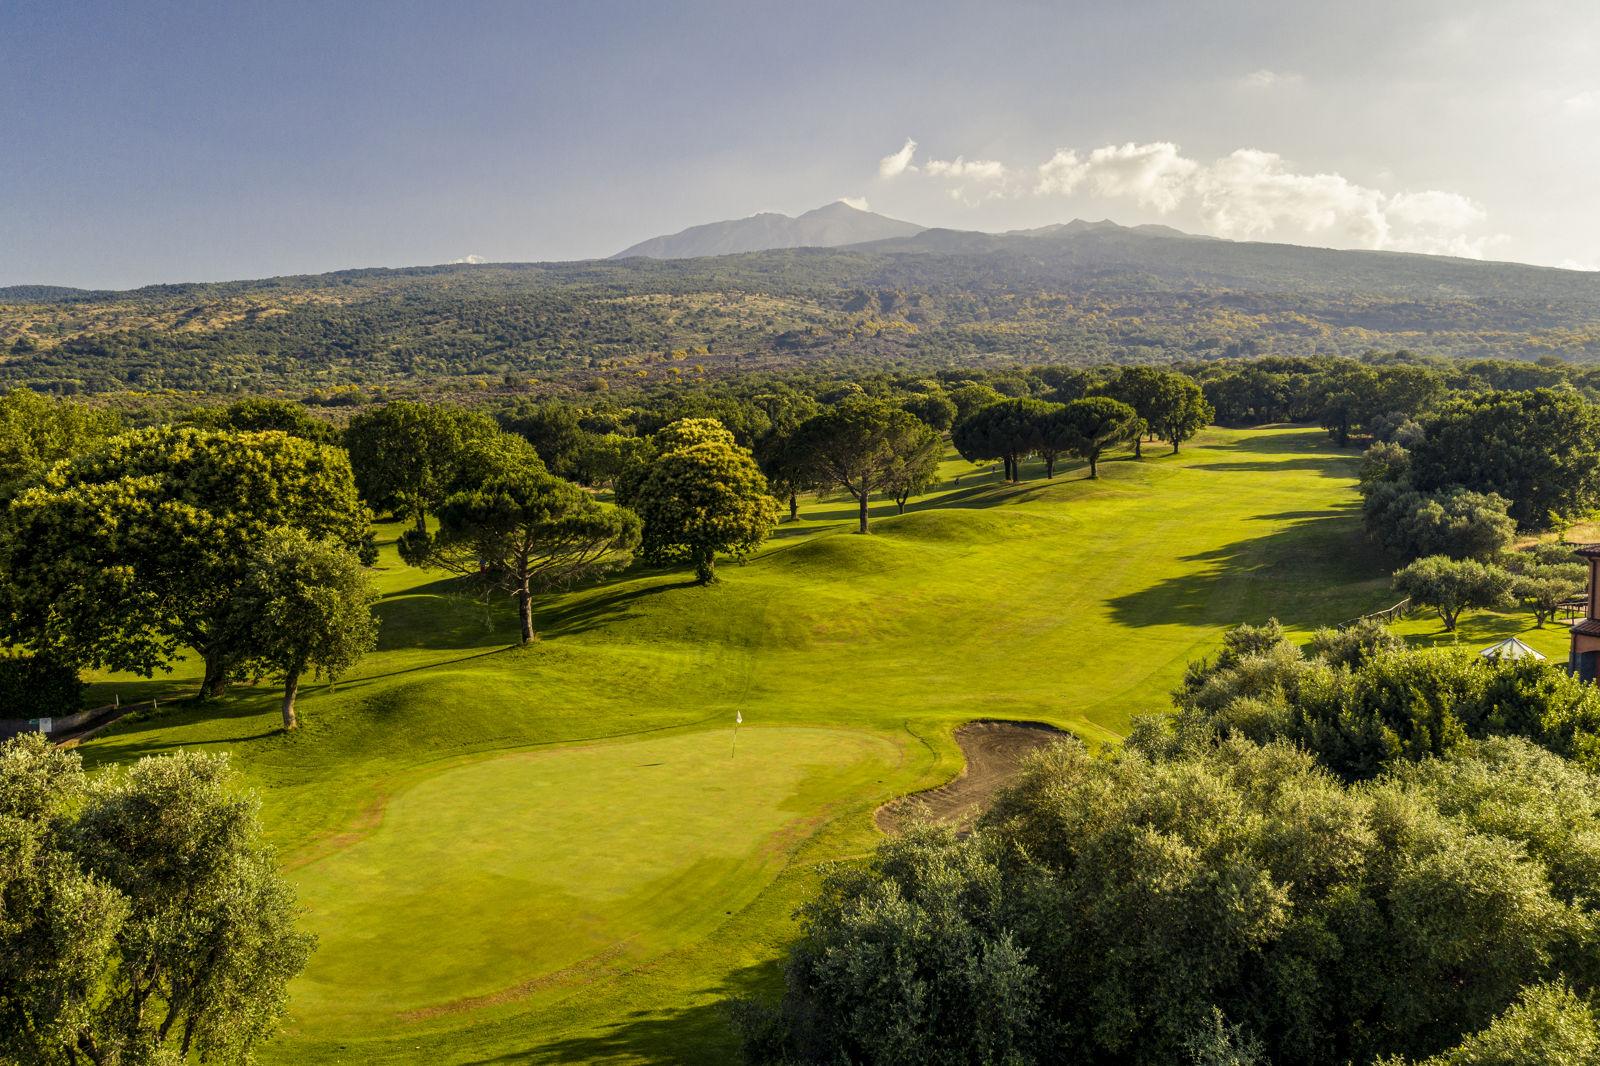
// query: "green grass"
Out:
[500,871]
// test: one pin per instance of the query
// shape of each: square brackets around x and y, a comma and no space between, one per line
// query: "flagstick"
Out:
[735,740]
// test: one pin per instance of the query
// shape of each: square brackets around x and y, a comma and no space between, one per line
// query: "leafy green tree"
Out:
[1451,586]
[1545,577]
[699,495]
[1347,393]
[1549,1024]
[864,446]
[304,606]
[37,432]
[553,427]
[1148,390]
[1539,449]
[1091,425]
[1384,461]
[1010,430]
[407,455]
[1183,412]
[972,398]
[1458,523]
[934,408]
[908,959]
[255,414]
[522,530]
[128,555]
[914,470]
[145,918]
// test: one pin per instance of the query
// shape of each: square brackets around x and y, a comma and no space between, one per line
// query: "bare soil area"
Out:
[994,752]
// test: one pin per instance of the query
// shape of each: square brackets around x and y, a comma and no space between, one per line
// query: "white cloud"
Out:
[1152,175]
[474,259]
[899,162]
[1248,194]
[976,170]
[1269,79]
[1582,104]
[1061,174]
[1251,193]
[1576,264]
[857,202]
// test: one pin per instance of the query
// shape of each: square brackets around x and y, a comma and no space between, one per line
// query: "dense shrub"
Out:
[1208,902]
[1361,705]
[33,686]
[1411,524]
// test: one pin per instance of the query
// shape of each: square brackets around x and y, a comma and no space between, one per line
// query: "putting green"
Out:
[523,877]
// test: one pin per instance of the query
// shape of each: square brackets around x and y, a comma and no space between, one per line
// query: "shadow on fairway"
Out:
[1321,464]
[1317,570]
[685,1037]
[603,608]
[443,622]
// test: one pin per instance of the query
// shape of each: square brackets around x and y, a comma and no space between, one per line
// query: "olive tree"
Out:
[1451,586]
[305,606]
[864,446]
[126,556]
[699,495]
[145,919]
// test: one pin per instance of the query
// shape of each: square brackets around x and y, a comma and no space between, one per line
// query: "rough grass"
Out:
[499,870]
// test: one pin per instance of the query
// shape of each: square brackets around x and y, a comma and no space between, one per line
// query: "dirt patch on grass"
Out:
[994,751]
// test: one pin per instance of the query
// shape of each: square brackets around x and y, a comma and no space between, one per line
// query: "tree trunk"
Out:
[1138,446]
[862,499]
[291,689]
[705,567]
[215,682]
[794,505]
[525,610]
[1049,467]
[422,520]
[1174,446]
[1094,471]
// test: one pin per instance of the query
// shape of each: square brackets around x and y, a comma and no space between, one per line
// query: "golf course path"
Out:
[994,751]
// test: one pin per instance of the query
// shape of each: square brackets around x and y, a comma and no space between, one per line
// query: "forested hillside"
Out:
[1071,294]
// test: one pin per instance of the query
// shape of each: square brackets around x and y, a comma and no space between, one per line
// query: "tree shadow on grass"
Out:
[684,1036]
[1316,570]
[1327,466]
[572,616]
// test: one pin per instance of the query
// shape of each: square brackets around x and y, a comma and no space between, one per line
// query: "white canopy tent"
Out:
[1510,648]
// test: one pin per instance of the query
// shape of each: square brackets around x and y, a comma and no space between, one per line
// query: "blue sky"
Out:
[162,142]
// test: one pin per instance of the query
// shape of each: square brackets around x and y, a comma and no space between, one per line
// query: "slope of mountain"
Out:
[826,227]
[1073,293]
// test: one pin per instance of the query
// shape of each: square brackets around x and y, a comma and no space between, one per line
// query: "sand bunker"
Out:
[994,751]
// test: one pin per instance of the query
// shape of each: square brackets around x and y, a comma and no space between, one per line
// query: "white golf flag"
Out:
[738,718]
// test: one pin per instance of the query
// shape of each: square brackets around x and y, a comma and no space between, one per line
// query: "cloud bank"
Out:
[1247,194]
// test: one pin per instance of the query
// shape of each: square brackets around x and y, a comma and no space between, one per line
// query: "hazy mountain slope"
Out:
[1073,293]
[826,227]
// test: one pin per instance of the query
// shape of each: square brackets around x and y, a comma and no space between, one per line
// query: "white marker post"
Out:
[738,720]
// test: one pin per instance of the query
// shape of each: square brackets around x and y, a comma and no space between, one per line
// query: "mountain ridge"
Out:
[829,226]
